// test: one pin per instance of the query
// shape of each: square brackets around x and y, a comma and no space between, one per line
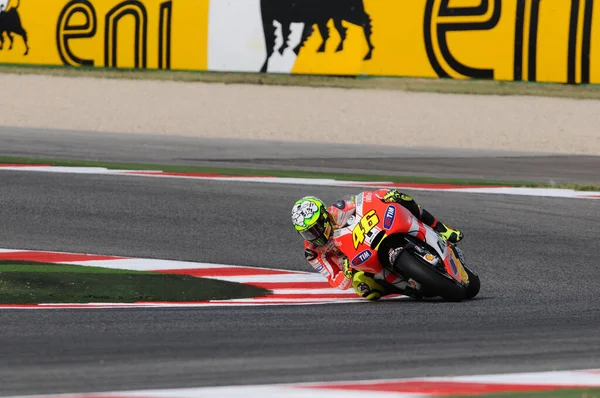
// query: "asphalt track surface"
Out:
[538,308]
[392,160]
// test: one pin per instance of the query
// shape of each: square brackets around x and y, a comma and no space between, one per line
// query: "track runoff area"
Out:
[296,288]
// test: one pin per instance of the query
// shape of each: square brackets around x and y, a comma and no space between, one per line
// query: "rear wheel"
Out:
[433,281]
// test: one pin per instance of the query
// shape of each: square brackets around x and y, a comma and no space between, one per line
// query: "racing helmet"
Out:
[311,220]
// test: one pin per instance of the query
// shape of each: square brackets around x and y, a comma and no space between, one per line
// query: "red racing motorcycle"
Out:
[386,238]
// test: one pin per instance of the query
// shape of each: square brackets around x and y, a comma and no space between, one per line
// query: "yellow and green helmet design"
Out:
[311,220]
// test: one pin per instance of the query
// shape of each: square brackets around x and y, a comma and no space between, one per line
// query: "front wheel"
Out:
[433,281]
[474,284]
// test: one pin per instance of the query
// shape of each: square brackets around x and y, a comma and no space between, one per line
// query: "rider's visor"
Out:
[313,233]
[317,234]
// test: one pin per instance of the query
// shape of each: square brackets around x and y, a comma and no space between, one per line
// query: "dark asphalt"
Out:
[447,163]
[538,308]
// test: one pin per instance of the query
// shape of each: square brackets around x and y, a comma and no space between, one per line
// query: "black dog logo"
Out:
[10,23]
[312,12]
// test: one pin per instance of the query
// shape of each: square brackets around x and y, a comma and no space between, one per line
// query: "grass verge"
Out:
[32,283]
[563,393]
[294,173]
[447,86]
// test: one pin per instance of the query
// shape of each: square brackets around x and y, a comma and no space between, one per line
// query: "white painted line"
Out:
[265,392]
[273,278]
[233,392]
[349,292]
[140,264]
[13,251]
[67,169]
[538,378]
[211,304]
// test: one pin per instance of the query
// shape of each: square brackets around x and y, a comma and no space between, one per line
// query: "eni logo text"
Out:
[70,29]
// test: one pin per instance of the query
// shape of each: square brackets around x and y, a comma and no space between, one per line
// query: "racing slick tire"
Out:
[474,284]
[433,282]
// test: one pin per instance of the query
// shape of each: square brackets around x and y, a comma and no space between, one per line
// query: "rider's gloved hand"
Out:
[347,270]
[395,196]
[366,287]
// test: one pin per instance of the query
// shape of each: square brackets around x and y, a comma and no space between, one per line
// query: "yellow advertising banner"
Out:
[153,34]
[529,40]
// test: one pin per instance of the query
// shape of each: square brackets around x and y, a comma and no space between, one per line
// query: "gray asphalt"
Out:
[538,308]
[419,161]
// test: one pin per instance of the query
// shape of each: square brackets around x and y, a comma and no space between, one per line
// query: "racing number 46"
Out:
[366,224]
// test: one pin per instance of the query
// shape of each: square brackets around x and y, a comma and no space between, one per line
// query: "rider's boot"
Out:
[450,234]
[367,287]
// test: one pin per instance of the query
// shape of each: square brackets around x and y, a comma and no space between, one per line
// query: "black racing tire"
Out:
[474,284]
[432,280]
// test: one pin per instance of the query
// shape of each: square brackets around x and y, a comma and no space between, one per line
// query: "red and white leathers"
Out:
[328,259]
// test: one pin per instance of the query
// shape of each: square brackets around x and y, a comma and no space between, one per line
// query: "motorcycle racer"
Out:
[316,223]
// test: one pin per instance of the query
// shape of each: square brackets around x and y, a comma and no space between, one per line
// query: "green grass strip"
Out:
[562,393]
[33,283]
[295,174]
[409,84]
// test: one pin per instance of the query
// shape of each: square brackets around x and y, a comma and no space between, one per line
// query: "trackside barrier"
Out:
[521,40]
